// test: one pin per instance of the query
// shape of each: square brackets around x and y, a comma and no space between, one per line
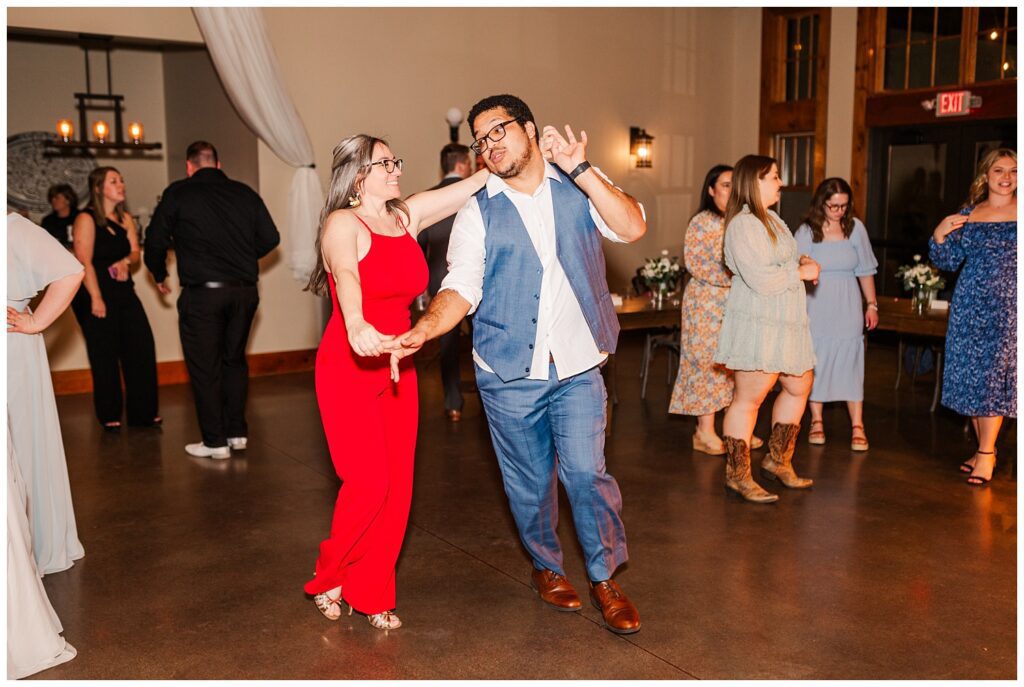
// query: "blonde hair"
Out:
[97,180]
[979,187]
[745,191]
[349,166]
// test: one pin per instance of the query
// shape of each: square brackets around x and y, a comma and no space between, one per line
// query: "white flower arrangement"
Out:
[661,272]
[920,275]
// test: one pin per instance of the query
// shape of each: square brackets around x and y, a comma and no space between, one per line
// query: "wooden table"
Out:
[896,315]
[637,313]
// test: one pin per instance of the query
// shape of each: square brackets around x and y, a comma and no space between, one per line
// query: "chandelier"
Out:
[105,137]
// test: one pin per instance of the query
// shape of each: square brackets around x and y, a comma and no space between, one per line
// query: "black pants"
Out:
[450,369]
[120,343]
[214,326]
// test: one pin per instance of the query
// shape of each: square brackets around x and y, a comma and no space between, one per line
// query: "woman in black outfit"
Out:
[117,334]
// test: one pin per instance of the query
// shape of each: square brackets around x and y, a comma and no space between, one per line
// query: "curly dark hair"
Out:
[514,106]
[815,217]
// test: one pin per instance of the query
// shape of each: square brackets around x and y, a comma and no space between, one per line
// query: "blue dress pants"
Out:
[544,429]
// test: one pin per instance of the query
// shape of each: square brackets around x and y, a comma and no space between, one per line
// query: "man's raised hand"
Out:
[566,152]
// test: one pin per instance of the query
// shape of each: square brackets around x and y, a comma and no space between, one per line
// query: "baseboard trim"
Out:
[66,382]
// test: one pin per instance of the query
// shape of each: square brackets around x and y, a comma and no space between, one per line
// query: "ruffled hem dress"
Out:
[765,327]
[836,312]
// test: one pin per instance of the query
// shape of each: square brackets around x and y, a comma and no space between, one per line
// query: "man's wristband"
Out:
[580,169]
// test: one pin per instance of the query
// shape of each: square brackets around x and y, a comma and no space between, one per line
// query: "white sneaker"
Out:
[201,450]
[237,443]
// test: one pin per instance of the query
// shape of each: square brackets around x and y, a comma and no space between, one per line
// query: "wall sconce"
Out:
[641,145]
[454,119]
[105,137]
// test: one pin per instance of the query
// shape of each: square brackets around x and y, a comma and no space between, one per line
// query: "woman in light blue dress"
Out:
[838,241]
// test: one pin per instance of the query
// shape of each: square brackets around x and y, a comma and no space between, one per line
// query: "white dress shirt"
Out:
[562,330]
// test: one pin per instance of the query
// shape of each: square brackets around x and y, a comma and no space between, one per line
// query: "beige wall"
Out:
[157,23]
[689,76]
[842,65]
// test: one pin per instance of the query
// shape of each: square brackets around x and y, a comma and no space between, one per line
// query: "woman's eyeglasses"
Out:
[388,165]
[837,208]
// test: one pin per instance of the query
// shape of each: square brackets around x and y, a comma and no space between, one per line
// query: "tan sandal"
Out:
[858,444]
[756,442]
[325,603]
[816,436]
[704,447]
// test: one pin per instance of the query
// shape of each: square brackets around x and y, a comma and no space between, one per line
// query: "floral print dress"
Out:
[980,377]
[702,387]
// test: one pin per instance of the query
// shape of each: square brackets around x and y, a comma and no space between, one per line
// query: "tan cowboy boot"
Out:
[778,464]
[737,473]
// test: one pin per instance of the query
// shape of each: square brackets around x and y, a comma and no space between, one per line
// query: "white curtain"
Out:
[237,41]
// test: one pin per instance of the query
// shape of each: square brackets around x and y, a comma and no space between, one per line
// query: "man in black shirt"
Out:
[64,202]
[219,229]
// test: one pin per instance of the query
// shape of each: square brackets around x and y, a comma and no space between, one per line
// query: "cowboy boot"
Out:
[778,464]
[737,473]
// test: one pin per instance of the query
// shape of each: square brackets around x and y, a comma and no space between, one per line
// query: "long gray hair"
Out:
[350,165]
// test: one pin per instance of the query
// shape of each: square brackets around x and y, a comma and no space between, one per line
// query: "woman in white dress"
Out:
[37,477]
[35,260]
[765,335]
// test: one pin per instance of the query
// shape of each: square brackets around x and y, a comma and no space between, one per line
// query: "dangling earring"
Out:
[353,201]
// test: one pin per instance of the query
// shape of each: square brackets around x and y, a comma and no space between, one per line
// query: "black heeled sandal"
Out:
[978,480]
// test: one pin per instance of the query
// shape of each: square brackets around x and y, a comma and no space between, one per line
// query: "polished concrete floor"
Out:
[890,567]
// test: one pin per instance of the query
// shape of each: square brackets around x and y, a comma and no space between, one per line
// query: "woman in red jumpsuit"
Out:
[370,263]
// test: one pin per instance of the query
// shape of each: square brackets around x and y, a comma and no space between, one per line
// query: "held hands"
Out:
[567,152]
[367,341]
[99,308]
[403,346]
[947,226]
[163,288]
[21,322]
[809,269]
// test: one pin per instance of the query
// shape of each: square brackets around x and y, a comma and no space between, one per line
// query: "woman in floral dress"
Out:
[703,388]
[980,379]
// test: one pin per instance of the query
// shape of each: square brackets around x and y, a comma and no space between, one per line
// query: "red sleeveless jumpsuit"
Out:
[370,423]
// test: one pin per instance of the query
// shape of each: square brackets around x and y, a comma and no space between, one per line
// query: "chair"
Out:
[938,350]
[669,341]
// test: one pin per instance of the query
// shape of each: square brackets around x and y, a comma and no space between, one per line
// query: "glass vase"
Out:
[659,296]
[922,300]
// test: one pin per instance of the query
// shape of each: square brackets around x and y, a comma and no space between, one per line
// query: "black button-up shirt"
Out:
[218,228]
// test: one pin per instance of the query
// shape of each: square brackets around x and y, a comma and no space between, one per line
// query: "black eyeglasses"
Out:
[837,208]
[388,165]
[496,133]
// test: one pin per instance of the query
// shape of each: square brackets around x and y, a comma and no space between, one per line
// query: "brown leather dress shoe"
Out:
[454,415]
[555,590]
[620,615]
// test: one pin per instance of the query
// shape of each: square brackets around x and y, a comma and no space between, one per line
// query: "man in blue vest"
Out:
[525,256]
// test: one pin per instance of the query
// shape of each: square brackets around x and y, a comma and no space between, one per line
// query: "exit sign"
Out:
[953,104]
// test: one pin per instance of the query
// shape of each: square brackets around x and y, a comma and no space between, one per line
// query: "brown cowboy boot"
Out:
[737,473]
[778,464]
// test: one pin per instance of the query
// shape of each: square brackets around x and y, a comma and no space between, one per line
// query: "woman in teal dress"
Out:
[838,241]
[980,379]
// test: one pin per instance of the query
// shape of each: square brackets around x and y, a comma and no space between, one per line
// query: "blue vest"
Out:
[505,324]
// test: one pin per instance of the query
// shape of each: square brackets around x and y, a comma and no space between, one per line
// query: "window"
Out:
[996,54]
[801,57]
[922,47]
[795,153]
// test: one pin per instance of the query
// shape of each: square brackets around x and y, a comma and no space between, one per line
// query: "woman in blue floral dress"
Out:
[980,379]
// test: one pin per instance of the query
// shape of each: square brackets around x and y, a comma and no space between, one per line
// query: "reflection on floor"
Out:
[890,567]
